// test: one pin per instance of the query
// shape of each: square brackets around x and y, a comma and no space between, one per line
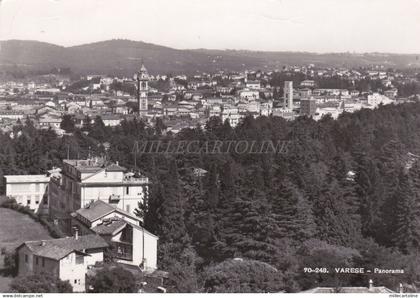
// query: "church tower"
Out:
[142,78]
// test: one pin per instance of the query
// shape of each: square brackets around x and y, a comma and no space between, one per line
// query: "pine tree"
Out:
[248,227]
[292,213]
[67,123]
[369,190]
[406,235]
[212,187]
[98,130]
[334,219]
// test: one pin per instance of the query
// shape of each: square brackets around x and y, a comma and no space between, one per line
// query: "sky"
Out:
[391,26]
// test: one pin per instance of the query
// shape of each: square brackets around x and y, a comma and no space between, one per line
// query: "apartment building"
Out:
[29,190]
[82,182]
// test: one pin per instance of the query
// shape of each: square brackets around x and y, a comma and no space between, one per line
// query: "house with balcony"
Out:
[130,242]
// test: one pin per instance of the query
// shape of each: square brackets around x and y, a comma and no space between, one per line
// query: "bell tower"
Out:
[142,78]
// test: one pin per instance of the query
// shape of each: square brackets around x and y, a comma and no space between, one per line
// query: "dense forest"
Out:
[346,193]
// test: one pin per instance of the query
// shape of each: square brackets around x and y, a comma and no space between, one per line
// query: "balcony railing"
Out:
[123,251]
[128,180]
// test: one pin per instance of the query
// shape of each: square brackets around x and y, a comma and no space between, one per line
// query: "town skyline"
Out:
[272,25]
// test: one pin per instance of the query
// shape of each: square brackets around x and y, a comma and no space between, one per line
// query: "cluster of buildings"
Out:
[187,101]
[94,203]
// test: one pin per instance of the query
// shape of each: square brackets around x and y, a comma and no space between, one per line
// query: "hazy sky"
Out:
[278,25]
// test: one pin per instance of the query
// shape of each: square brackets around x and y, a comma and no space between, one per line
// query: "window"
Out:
[127,190]
[75,281]
[28,202]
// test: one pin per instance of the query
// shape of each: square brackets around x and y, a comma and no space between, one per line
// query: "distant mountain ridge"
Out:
[122,57]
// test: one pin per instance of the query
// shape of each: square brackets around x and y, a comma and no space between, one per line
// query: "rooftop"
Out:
[110,226]
[59,248]
[322,290]
[95,210]
[93,165]
[26,178]
[98,209]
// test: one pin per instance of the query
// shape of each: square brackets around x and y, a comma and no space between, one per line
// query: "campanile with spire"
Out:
[142,78]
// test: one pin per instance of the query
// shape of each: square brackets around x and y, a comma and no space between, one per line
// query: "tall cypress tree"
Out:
[173,225]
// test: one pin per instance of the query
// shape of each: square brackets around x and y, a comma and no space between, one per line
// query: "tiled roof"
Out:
[59,248]
[95,210]
[98,209]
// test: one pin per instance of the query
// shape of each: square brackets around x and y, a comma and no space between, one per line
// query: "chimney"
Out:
[370,284]
[43,243]
[401,288]
[117,163]
[76,233]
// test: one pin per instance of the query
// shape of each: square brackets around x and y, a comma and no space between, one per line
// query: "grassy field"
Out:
[16,228]
[4,284]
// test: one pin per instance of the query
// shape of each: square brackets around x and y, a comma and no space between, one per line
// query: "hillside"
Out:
[122,57]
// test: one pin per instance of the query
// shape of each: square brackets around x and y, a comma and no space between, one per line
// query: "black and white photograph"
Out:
[209,146]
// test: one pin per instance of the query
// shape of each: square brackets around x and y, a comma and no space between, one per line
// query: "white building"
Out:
[333,112]
[84,181]
[256,85]
[307,83]
[130,243]
[249,94]
[376,99]
[266,108]
[232,114]
[65,258]
[29,190]
[8,114]
[111,120]
[251,106]
[49,121]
